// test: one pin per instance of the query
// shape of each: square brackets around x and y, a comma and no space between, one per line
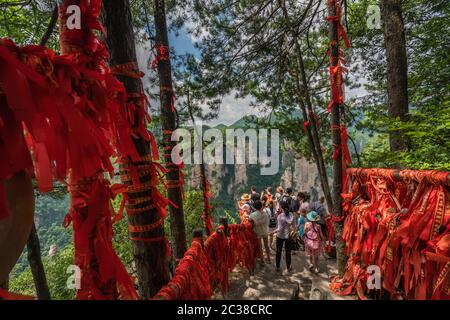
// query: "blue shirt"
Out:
[301,225]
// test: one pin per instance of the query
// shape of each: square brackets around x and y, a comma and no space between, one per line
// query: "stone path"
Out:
[267,284]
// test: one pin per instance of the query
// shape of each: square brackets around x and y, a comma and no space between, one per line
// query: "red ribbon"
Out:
[162,54]
[5,295]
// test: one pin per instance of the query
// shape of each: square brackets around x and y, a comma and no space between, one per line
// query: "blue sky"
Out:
[232,109]
[183,43]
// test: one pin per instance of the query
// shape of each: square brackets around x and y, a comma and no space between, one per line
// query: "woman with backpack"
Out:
[285,221]
[313,240]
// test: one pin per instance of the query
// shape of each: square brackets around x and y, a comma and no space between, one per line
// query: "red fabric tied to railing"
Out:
[218,252]
[91,214]
[245,246]
[190,281]
[205,268]
[399,221]
[5,295]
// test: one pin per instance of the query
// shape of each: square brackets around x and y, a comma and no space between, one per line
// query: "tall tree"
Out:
[397,68]
[336,122]
[36,266]
[305,102]
[248,48]
[206,216]
[33,243]
[167,96]
[427,45]
[149,257]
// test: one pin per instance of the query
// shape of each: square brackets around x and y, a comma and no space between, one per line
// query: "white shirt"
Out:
[260,223]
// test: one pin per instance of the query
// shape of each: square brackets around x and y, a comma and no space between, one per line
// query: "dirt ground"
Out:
[267,284]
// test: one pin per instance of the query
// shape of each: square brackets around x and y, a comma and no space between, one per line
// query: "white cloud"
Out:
[232,109]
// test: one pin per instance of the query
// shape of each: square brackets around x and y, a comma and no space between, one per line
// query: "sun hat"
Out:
[313,216]
[245,197]
[280,190]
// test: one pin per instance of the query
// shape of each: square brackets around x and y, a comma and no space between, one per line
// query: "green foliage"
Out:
[193,210]
[27,22]
[428,125]
[57,276]
[121,240]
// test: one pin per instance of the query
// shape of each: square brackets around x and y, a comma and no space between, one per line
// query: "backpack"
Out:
[291,202]
[272,218]
[294,242]
[295,205]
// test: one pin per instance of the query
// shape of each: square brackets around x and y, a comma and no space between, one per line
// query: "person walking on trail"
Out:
[304,201]
[319,207]
[272,214]
[277,198]
[285,221]
[244,207]
[245,213]
[313,240]
[261,226]
[254,194]
[267,193]
[301,227]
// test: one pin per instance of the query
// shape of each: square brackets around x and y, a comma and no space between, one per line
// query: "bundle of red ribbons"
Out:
[204,268]
[76,116]
[400,222]
[337,70]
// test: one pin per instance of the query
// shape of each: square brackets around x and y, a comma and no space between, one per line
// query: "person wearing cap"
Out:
[313,238]
[245,198]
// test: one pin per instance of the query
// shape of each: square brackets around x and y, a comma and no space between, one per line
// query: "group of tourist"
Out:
[288,220]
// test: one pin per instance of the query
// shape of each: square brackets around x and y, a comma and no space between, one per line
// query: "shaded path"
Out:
[267,284]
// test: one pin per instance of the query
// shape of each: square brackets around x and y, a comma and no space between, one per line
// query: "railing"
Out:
[397,234]
[207,264]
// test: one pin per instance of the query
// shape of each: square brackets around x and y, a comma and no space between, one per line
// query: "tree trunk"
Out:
[336,140]
[305,103]
[149,257]
[317,157]
[313,132]
[33,243]
[175,192]
[203,178]
[397,68]
[36,265]
[15,229]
